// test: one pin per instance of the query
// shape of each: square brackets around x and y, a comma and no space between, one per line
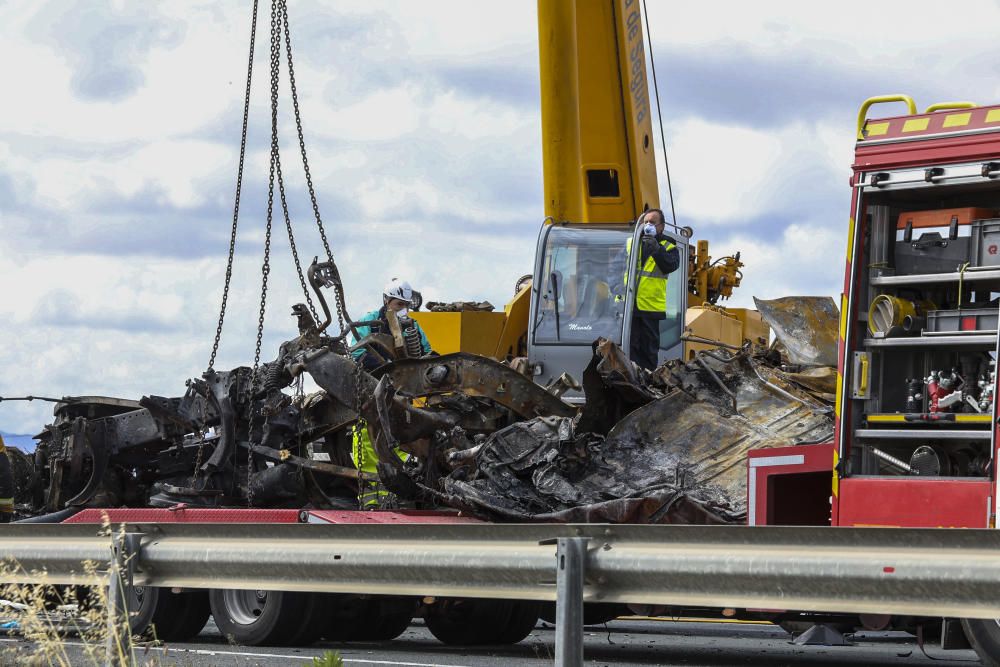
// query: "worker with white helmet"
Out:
[398,298]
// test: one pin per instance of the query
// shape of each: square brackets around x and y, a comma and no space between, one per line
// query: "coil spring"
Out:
[411,338]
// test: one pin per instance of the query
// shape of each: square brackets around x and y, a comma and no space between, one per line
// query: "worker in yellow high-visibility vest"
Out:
[371,494]
[657,258]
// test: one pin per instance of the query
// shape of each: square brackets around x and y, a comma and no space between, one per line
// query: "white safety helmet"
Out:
[398,289]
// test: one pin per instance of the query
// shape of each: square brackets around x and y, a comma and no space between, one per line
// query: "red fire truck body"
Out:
[918,325]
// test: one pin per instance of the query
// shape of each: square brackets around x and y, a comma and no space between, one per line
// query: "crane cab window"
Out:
[581,290]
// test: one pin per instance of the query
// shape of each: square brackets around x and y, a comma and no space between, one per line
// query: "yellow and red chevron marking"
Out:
[940,122]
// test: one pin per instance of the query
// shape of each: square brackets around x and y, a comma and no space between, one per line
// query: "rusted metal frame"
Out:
[316,281]
[220,392]
[691,338]
[284,456]
[475,376]
[334,373]
[398,344]
[786,394]
[99,448]
[371,344]
[718,381]
[326,274]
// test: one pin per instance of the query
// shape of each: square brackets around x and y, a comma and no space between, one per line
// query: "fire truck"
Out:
[915,434]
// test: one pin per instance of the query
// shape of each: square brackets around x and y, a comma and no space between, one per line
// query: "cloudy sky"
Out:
[119,138]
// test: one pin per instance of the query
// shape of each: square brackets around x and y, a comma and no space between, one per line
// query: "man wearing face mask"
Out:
[657,258]
[397,297]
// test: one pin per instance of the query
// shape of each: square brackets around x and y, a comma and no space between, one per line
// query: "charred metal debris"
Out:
[662,447]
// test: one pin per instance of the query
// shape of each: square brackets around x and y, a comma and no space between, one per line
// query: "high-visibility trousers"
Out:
[371,494]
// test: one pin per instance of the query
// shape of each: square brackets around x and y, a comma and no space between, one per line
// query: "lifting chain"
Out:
[279,32]
[266,266]
[239,188]
[236,218]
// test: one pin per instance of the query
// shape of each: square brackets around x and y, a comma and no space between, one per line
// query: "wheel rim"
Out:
[245,607]
[136,598]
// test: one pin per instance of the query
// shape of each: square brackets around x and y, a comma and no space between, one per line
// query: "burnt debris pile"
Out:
[455,431]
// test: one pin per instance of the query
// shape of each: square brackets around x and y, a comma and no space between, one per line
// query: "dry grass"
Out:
[44,615]
[69,626]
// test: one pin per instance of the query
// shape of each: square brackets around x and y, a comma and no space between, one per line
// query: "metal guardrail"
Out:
[936,572]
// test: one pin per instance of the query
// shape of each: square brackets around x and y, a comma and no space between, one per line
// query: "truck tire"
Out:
[478,622]
[260,618]
[314,620]
[156,612]
[523,619]
[594,613]
[984,635]
[386,618]
[142,604]
[183,617]
[379,618]
[345,616]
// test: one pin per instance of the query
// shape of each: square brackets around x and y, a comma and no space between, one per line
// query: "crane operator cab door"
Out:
[584,284]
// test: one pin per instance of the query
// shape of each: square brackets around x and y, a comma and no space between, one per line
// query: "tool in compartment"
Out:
[937,241]
[987,381]
[936,461]
[945,392]
[914,395]
[895,316]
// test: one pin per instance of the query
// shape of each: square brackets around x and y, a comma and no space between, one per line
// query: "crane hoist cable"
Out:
[659,115]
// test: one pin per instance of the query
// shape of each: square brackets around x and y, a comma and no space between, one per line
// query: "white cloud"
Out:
[437,176]
[731,176]
[808,259]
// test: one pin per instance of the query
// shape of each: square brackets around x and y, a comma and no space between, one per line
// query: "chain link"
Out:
[197,459]
[232,236]
[291,238]
[279,32]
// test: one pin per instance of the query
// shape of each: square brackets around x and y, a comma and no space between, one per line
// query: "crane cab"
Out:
[582,289]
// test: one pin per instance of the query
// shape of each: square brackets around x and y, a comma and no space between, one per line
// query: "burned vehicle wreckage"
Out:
[455,431]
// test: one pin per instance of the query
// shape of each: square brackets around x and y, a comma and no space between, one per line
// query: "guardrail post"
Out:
[125,549]
[571,564]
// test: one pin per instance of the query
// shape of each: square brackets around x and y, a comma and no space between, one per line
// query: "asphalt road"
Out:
[624,642]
